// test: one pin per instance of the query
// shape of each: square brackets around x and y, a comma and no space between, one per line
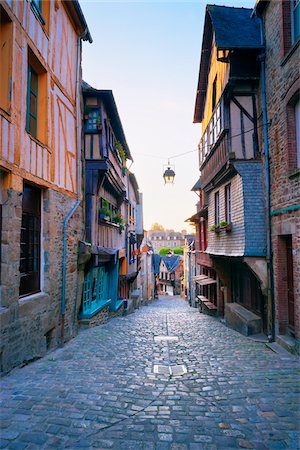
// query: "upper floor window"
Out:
[214,93]
[293,132]
[92,119]
[228,203]
[6,47]
[295,10]
[211,133]
[37,100]
[217,208]
[290,26]
[41,9]
[297,130]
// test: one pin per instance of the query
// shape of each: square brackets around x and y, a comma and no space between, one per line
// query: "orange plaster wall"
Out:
[220,69]
[51,158]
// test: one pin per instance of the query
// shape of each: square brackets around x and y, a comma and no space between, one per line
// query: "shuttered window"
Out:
[30,246]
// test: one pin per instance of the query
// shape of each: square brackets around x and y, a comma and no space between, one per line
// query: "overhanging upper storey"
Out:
[229,32]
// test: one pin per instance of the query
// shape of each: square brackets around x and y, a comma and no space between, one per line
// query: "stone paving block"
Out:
[236,393]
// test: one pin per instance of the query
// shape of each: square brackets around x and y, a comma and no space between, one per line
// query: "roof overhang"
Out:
[75,11]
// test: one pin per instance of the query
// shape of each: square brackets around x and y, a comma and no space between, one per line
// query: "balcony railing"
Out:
[217,158]
[109,235]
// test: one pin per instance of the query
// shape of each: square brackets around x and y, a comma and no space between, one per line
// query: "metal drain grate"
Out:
[165,338]
[179,369]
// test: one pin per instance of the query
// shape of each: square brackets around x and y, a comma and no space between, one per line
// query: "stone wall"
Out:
[31,326]
[282,89]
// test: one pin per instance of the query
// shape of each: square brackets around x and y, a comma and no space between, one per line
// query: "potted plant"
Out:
[118,219]
[215,228]
[105,212]
[225,225]
[87,110]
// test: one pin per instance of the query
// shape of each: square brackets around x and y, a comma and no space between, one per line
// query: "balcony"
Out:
[109,236]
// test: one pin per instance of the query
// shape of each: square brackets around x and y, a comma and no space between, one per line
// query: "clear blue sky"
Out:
[148,53]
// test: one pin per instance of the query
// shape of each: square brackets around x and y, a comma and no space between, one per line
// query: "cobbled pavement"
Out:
[100,392]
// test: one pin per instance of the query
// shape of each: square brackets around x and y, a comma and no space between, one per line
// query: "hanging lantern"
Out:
[169,174]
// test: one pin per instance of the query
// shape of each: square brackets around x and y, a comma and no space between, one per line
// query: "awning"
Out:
[202,213]
[203,280]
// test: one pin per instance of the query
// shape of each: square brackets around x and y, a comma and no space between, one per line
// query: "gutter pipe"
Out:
[262,58]
[76,204]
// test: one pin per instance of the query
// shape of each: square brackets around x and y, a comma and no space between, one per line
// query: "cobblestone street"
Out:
[101,390]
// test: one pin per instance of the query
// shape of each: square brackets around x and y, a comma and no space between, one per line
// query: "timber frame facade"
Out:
[113,211]
[231,172]
[39,167]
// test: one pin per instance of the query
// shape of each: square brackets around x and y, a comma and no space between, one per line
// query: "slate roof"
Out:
[171,262]
[234,28]
[197,186]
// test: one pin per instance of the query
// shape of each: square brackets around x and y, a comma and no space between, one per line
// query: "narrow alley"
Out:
[165,377]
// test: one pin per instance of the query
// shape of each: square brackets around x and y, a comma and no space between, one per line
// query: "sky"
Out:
[148,54]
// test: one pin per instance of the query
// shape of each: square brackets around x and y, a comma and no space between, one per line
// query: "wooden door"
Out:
[290,282]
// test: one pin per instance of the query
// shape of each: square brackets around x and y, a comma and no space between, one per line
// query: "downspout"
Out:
[76,204]
[262,58]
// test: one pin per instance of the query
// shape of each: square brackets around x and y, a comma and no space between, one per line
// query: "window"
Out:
[290,27]
[92,120]
[217,208]
[214,94]
[32,98]
[297,130]
[30,241]
[211,133]
[295,10]
[41,9]
[37,101]
[6,46]
[293,131]
[228,203]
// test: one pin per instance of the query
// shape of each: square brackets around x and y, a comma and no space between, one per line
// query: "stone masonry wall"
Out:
[31,326]
[282,87]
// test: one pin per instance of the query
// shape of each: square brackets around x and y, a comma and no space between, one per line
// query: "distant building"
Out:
[170,275]
[166,239]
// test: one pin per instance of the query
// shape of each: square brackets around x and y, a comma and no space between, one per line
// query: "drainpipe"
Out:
[76,204]
[262,58]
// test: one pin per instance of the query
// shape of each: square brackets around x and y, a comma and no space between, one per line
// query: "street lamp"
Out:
[169,173]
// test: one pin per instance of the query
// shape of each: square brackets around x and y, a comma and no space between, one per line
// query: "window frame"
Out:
[30,238]
[29,114]
[36,6]
[7,32]
[217,207]
[228,209]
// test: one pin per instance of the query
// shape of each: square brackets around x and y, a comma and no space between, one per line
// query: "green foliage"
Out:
[178,251]
[157,227]
[121,151]
[223,223]
[164,251]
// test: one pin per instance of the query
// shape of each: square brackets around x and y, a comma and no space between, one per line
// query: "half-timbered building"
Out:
[230,165]
[40,126]
[111,211]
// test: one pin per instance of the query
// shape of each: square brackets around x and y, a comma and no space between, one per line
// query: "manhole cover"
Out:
[166,338]
[179,369]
